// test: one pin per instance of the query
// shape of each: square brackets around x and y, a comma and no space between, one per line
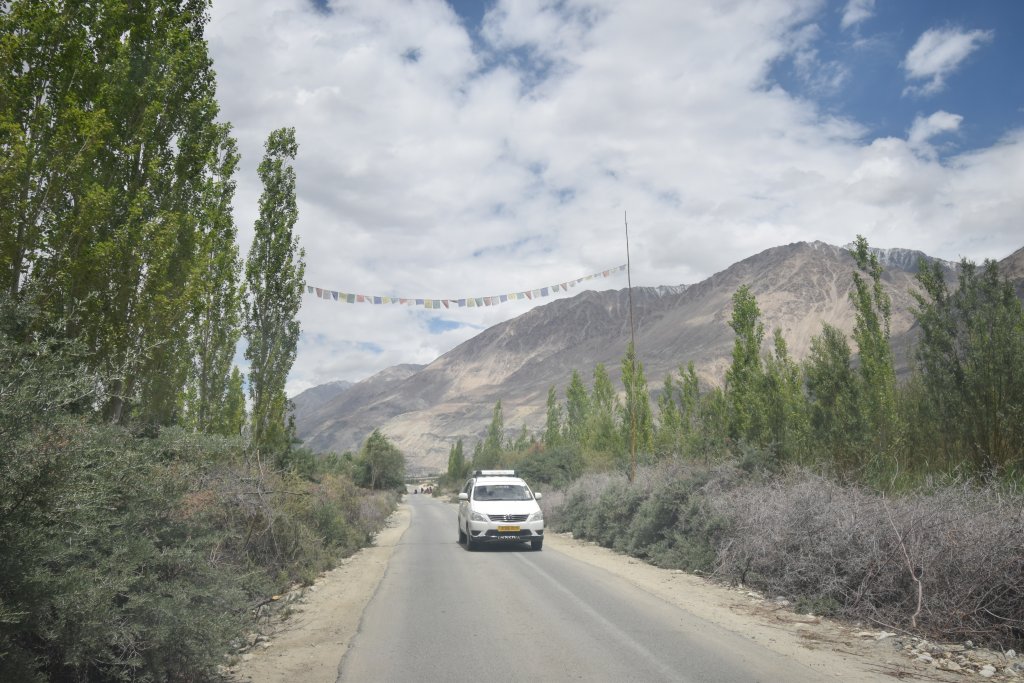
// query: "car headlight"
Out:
[478,517]
[537,516]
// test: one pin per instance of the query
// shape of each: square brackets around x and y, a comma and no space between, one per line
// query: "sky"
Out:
[473,148]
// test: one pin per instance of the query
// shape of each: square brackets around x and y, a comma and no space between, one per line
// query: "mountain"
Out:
[309,399]
[424,409]
[323,409]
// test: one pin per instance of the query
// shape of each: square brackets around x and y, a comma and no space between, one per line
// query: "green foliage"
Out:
[971,362]
[637,424]
[274,274]
[603,446]
[553,424]
[556,466]
[873,310]
[108,144]
[743,379]
[456,463]
[833,400]
[491,452]
[380,465]
[139,558]
[577,409]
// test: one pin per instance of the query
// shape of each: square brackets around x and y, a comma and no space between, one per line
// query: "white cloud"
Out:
[936,54]
[468,172]
[857,11]
[924,129]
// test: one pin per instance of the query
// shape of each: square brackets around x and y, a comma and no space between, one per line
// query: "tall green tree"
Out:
[493,449]
[216,324]
[744,377]
[637,422]
[971,360]
[105,138]
[873,310]
[274,272]
[604,439]
[668,436]
[232,416]
[380,465]
[833,403]
[456,462]
[553,422]
[577,409]
[784,402]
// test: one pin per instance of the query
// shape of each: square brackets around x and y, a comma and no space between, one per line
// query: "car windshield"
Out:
[502,492]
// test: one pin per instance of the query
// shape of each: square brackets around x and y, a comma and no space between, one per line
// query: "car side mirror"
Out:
[463,495]
[537,495]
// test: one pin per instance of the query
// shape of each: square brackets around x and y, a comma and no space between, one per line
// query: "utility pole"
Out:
[632,340]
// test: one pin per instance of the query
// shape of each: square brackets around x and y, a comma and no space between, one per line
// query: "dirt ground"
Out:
[307,639]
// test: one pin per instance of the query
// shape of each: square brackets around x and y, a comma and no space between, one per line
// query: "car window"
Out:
[502,492]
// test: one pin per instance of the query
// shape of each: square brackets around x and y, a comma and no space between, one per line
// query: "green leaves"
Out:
[274,274]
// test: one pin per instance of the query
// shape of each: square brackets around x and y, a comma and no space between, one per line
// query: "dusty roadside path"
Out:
[310,644]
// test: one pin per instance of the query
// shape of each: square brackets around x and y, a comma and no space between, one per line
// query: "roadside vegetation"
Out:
[152,497]
[826,482]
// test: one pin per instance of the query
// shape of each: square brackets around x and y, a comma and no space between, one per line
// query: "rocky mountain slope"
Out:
[424,409]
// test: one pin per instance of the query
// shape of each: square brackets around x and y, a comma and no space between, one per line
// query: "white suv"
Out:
[496,506]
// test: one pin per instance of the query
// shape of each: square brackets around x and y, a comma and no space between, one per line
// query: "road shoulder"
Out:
[309,645]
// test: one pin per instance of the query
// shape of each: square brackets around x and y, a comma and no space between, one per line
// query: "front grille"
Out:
[508,518]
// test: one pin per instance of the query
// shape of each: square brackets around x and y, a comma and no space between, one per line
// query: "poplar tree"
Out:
[604,440]
[493,446]
[637,422]
[216,326]
[107,128]
[833,401]
[274,272]
[873,310]
[553,423]
[971,358]
[577,409]
[743,379]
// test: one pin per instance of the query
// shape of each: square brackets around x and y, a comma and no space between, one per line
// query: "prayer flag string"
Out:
[455,302]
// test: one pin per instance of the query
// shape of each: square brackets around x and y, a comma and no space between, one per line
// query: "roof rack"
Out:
[495,473]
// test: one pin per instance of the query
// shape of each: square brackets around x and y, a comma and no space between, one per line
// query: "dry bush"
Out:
[949,562]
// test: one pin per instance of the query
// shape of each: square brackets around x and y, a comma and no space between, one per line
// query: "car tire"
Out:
[537,544]
[470,543]
[462,535]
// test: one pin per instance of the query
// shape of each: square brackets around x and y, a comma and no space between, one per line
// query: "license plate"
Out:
[508,529]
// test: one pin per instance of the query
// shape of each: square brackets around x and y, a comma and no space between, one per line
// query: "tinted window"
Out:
[501,492]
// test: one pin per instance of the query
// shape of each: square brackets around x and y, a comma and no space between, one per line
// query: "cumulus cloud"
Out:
[857,11]
[925,128]
[503,161]
[937,54]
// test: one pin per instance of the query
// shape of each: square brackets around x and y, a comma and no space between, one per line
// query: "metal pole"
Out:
[632,343]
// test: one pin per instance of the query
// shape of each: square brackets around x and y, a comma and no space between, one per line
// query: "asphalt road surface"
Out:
[442,613]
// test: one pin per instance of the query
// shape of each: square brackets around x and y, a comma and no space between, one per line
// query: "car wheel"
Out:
[462,535]
[470,543]
[537,544]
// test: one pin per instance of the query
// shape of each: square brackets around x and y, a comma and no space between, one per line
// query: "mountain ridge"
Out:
[424,409]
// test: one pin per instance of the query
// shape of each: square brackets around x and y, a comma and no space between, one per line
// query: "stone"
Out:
[924,657]
[988,671]
[949,665]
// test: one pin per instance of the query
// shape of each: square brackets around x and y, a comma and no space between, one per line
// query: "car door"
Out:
[464,504]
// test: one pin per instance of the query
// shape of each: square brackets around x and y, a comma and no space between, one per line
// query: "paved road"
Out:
[442,613]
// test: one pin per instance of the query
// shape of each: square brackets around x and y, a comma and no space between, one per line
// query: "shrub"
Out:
[865,556]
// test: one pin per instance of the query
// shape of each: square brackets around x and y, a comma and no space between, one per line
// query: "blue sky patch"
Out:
[439,325]
[860,72]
